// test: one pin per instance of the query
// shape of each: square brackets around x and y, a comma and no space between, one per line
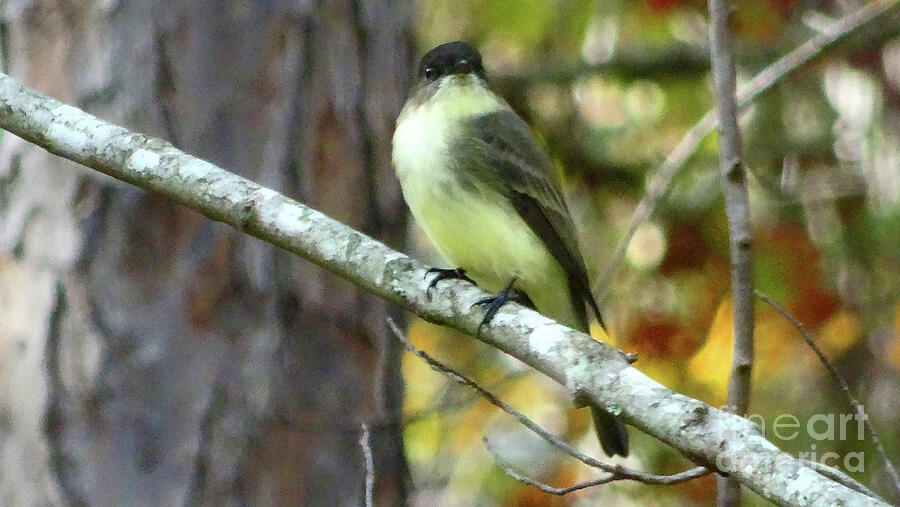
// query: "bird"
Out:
[489,199]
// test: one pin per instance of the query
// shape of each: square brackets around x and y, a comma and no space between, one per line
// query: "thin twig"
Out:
[366,444]
[838,476]
[446,404]
[737,210]
[618,471]
[687,475]
[841,381]
[661,180]
[512,472]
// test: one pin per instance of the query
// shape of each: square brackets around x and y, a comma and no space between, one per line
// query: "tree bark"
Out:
[149,356]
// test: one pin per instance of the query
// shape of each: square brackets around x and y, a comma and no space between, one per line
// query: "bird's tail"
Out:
[610,431]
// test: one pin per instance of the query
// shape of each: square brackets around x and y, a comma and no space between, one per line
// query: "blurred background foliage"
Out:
[611,87]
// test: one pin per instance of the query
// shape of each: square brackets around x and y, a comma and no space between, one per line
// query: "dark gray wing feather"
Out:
[509,160]
[515,166]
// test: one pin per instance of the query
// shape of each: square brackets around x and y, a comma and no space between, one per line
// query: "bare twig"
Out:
[546,488]
[573,359]
[366,444]
[687,475]
[661,180]
[448,402]
[618,472]
[836,475]
[737,209]
[841,382]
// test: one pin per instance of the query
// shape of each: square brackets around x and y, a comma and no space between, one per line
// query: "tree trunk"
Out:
[149,356]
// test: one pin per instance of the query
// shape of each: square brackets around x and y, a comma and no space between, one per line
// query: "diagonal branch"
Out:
[585,366]
[661,180]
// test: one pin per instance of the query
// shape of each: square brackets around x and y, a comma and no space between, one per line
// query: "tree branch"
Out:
[546,488]
[704,434]
[737,209]
[661,180]
[687,475]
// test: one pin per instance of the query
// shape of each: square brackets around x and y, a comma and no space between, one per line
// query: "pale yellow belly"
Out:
[482,233]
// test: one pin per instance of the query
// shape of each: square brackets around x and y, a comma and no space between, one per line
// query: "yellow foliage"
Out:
[416,371]
[598,333]
[712,363]
[663,370]
[776,342]
[529,394]
[894,346]
[838,333]
[423,438]
[469,426]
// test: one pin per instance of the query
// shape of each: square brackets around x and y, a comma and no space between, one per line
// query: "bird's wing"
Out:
[516,166]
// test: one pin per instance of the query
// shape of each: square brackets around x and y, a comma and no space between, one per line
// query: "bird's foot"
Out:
[495,303]
[445,274]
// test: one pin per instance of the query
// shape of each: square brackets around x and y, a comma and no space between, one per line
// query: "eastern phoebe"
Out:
[489,199]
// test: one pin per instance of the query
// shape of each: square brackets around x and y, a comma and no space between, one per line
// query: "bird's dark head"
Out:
[452,58]
[451,81]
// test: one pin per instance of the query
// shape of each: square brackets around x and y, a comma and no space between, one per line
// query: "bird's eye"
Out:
[431,73]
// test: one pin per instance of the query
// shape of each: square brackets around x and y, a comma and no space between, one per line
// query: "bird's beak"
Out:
[461,67]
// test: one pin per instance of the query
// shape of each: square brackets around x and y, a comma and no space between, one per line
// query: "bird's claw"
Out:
[495,303]
[445,274]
